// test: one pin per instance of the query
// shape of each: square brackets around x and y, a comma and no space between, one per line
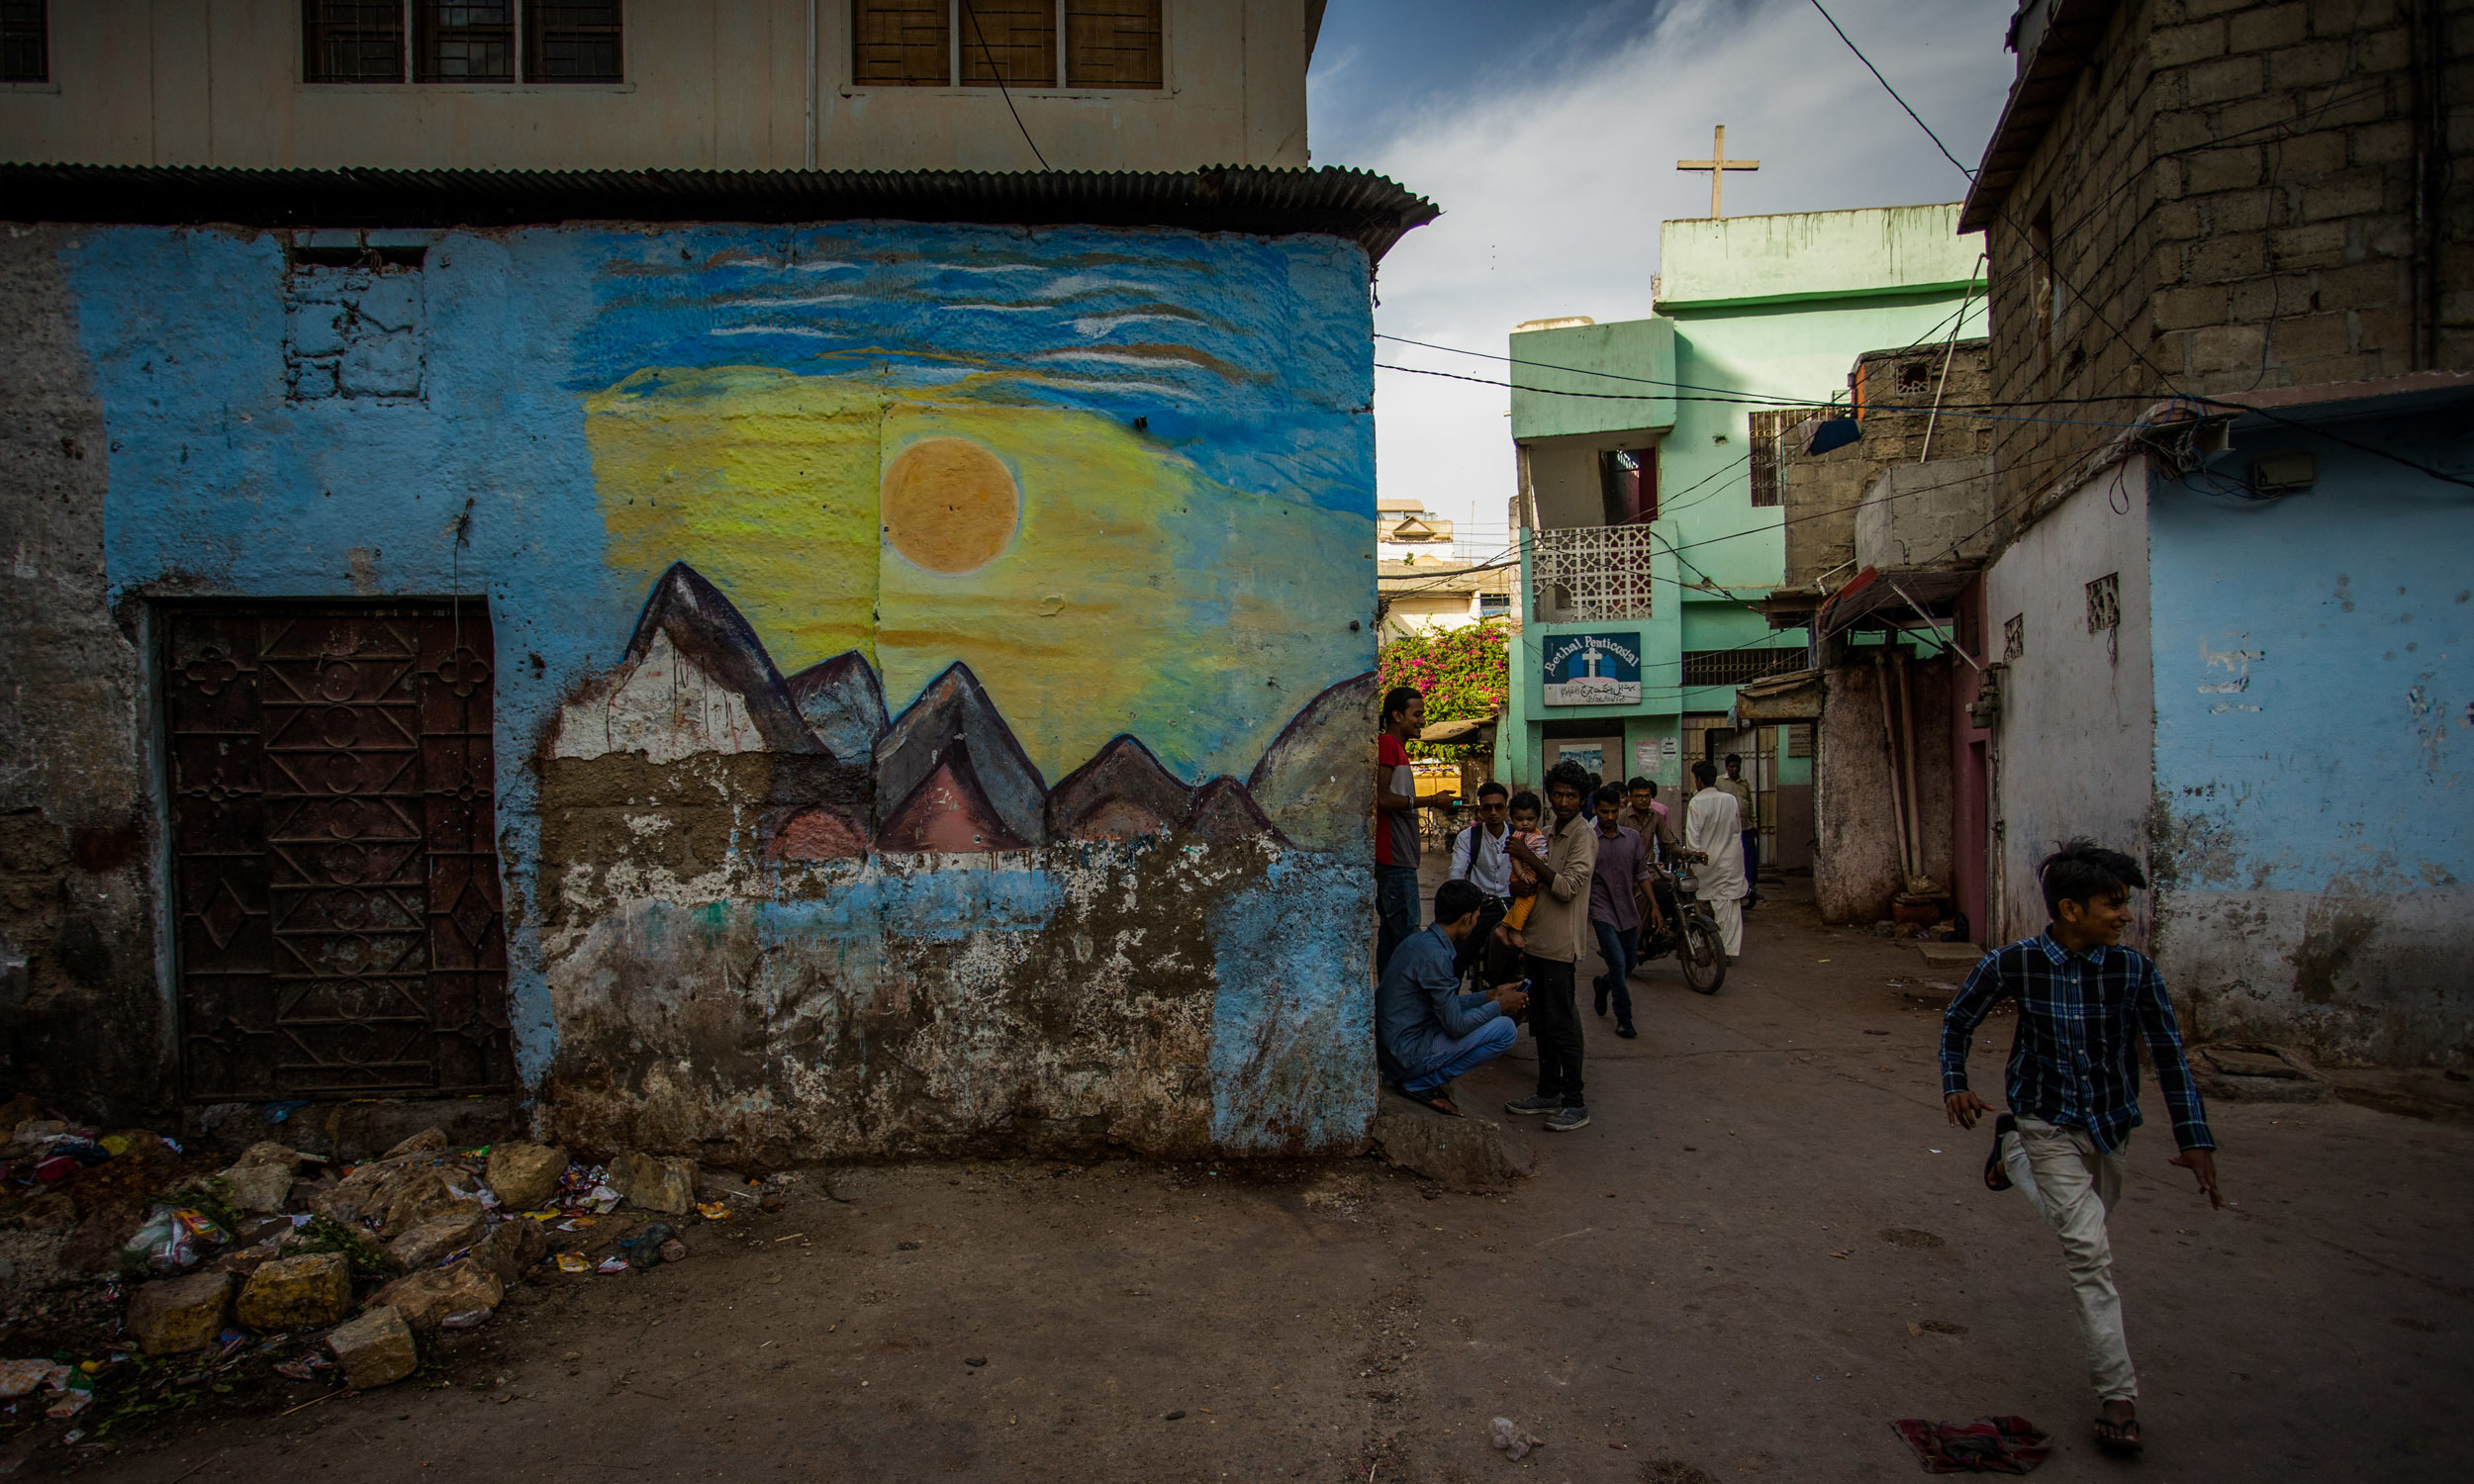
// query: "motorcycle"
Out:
[1690,933]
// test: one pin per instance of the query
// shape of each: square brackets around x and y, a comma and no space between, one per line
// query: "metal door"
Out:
[333,867]
[1710,737]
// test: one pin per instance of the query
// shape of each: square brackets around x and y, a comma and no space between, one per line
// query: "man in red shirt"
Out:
[1396,822]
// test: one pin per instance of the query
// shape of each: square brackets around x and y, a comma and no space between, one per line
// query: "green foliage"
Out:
[325,1234]
[1462,672]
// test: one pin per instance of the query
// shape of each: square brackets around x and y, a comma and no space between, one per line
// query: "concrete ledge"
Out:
[1959,955]
[1459,1154]
[2255,1072]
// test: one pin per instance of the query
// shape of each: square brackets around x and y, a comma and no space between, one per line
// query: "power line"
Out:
[1967,407]
[1000,74]
[1893,92]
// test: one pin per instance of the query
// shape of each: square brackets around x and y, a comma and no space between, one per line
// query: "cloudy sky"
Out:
[1548,130]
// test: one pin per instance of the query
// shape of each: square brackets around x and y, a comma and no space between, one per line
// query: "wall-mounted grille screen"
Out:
[1736,667]
[1592,572]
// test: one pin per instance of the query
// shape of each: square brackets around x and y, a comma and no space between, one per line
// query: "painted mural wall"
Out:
[932,662]
[2314,707]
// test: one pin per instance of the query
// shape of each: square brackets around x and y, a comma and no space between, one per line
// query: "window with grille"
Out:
[464,43]
[568,43]
[1016,44]
[1736,667]
[351,41]
[902,42]
[2014,636]
[1770,430]
[1112,44]
[462,40]
[25,42]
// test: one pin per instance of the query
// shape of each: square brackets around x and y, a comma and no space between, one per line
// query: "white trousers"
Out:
[2073,1184]
[1729,911]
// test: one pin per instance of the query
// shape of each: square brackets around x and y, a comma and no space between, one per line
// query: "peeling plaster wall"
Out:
[2077,729]
[1856,862]
[81,1020]
[2315,723]
[1074,524]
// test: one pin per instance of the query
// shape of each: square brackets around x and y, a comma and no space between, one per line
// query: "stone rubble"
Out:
[173,1316]
[306,1292]
[307,1269]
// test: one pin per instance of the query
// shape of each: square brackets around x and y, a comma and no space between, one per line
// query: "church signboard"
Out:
[1594,670]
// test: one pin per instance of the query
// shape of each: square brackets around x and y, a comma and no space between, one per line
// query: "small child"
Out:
[1508,943]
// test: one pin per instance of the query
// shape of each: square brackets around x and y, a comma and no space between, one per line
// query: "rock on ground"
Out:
[654,1184]
[375,1348]
[172,1316]
[515,1249]
[1459,1154]
[429,1243]
[426,1142]
[425,1195]
[268,1152]
[297,1293]
[258,1187]
[426,1297]
[242,1262]
[525,1175]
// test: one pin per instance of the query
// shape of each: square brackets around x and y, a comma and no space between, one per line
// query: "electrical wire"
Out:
[1893,92]
[1954,408]
[999,73]
[2118,334]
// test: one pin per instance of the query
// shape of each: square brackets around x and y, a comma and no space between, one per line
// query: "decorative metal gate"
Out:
[335,875]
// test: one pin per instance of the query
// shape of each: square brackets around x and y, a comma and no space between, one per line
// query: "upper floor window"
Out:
[364,40]
[25,42]
[1019,44]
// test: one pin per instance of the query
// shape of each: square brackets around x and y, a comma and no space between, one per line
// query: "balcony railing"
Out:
[1585,574]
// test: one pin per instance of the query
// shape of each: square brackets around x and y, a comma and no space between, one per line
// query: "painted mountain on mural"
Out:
[948,775]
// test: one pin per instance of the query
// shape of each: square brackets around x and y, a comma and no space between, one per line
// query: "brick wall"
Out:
[2229,193]
[1820,493]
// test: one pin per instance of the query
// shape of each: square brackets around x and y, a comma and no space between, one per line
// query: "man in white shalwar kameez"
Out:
[1714,828]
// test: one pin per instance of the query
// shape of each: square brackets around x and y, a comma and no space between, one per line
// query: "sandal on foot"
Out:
[2116,1437]
[1432,1099]
[1997,1176]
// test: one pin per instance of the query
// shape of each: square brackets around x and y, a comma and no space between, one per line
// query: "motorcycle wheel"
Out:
[1703,957]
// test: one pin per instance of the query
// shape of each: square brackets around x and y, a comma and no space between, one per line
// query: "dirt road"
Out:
[1768,1246]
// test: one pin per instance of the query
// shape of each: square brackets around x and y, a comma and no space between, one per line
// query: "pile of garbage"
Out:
[323,1270]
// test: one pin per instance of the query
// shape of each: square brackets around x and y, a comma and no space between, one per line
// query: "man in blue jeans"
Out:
[1616,886]
[1426,1031]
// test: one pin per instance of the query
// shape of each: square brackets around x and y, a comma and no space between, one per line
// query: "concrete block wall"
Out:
[1936,515]
[2229,195]
[1899,390]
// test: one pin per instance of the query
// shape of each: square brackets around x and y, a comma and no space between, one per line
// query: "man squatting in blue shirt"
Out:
[2084,1003]
[1426,1031]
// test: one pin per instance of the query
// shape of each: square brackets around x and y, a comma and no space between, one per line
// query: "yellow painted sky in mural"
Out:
[1096,583]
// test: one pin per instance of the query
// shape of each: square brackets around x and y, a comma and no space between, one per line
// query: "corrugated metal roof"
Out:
[2037,95]
[1357,205]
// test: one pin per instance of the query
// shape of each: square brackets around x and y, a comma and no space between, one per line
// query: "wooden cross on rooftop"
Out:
[1717,165]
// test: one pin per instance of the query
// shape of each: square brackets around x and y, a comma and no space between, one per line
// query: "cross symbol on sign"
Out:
[1717,165]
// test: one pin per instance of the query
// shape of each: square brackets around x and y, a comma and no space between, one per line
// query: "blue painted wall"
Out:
[2313,662]
[1192,412]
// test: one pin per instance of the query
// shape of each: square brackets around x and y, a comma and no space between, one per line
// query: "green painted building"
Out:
[1648,506]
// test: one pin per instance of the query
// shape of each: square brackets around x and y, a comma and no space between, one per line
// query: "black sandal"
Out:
[2119,1438]
[1433,1099]
[1996,1177]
